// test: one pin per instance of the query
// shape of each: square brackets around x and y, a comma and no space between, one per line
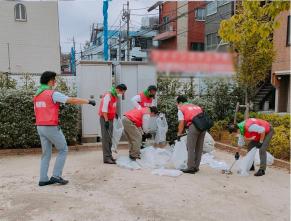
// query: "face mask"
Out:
[119,95]
[152,95]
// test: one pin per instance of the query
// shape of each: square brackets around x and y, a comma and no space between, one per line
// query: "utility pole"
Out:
[9,65]
[119,45]
[127,31]
[74,43]
[126,17]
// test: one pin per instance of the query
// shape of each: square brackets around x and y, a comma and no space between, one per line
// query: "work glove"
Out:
[107,125]
[236,156]
[259,145]
[147,135]
[92,102]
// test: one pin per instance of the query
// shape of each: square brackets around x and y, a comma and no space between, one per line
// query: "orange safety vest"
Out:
[45,109]
[259,122]
[111,106]
[145,101]
[136,115]
[189,111]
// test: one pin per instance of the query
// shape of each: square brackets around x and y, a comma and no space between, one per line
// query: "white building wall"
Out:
[35,43]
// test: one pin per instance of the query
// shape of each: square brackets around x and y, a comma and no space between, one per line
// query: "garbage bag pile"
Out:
[167,161]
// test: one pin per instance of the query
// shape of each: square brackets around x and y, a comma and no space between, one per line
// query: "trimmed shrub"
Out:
[280,143]
[17,119]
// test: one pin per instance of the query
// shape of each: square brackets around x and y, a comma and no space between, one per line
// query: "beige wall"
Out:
[34,44]
[182,26]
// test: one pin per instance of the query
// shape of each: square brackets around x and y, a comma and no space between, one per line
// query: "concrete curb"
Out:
[37,150]
[231,149]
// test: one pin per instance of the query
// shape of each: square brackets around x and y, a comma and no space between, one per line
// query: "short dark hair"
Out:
[232,128]
[181,99]
[154,110]
[47,76]
[121,87]
[152,88]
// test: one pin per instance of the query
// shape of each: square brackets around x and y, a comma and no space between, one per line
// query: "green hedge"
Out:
[17,120]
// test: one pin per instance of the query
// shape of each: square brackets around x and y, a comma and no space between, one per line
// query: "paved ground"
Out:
[105,192]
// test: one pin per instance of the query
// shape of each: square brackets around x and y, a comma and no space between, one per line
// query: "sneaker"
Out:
[59,180]
[191,171]
[260,172]
[109,161]
[133,158]
[44,183]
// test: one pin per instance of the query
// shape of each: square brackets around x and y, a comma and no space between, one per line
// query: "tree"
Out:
[250,33]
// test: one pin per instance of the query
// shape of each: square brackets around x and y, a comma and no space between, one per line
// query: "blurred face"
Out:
[152,93]
[52,83]
[120,92]
[152,114]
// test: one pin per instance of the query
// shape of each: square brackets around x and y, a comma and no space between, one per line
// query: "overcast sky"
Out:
[76,17]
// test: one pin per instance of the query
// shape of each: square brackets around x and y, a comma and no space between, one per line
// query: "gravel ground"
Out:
[107,192]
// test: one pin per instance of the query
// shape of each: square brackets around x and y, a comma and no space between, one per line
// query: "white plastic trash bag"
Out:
[116,134]
[162,129]
[208,145]
[270,158]
[245,164]
[180,155]
[154,157]
[167,172]
[127,163]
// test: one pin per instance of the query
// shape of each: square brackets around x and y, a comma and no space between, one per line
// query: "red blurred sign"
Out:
[186,61]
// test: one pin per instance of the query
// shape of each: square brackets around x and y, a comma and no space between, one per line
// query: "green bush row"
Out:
[17,119]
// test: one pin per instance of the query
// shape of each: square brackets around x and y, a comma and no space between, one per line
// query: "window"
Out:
[195,46]
[20,12]
[288,32]
[200,14]
[211,41]
[211,8]
[122,55]
[166,27]
[222,2]
[113,54]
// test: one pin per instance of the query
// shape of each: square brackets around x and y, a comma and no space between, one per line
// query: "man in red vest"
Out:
[135,124]
[145,98]
[259,133]
[46,107]
[107,113]
[195,137]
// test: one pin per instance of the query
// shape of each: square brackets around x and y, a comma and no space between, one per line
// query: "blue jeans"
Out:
[52,135]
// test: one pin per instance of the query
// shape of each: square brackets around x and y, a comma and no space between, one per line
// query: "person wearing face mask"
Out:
[134,122]
[259,133]
[107,113]
[46,107]
[145,98]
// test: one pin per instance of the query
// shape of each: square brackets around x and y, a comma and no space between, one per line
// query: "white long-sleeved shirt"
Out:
[137,99]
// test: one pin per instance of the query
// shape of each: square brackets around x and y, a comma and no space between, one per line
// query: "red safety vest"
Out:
[136,115]
[145,101]
[45,109]
[111,106]
[259,122]
[189,111]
